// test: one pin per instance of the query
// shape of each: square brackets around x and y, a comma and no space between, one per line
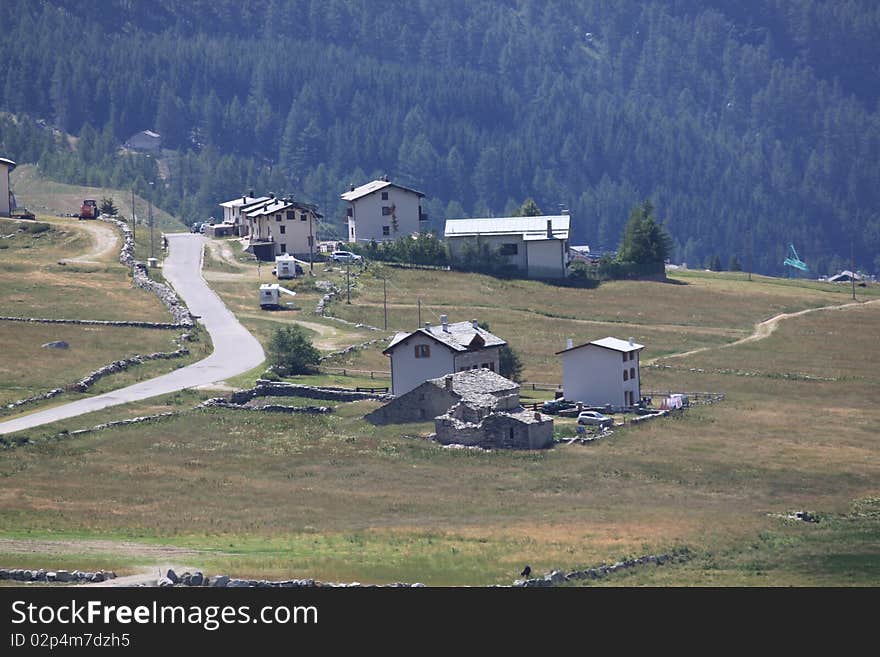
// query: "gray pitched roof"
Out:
[477,382]
[371,187]
[460,336]
[615,344]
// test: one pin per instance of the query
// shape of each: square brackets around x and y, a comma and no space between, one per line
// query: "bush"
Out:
[291,351]
[38,227]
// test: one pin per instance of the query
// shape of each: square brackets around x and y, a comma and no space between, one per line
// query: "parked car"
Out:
[345,256]
[555,405]
[595,417]
[196,227]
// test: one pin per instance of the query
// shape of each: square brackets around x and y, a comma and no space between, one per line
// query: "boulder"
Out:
[219,580]
[63,576]
[164,582]
[237,583]
[172,576]
[197,579]
[57,344]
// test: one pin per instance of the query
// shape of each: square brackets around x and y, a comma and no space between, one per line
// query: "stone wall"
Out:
[95,322]
[218,402]
[266,388]
[43,575]
[558,577]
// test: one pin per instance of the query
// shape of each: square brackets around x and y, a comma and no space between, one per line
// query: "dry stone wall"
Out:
[63,576]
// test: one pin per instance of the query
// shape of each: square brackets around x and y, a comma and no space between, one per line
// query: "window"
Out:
[278,217]
[386,210]
[291,215]
[282,229]
[303,217]
[492,366]
[624,357]
[632,373]
[509,249]
[423,351]
[625,375]
[384,196]
[349,212]
[386,230]
[283,247]
[485,366]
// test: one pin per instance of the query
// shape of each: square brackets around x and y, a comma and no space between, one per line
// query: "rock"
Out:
[172,576]
[98,577]
[63,576]
[164,582]
[186,579]
[237,583]
[557,577]
[58,344]
[51,576]
[219,581]
[197,579]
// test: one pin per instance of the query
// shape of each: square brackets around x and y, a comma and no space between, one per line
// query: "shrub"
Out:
[38,227]
[291,351]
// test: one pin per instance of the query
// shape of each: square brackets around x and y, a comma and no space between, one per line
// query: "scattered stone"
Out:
[164,582]
[220,581]
[63,576]
[57,344]
[197,579]
[172,576]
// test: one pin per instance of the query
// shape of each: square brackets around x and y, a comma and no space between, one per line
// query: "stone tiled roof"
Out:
[477,385]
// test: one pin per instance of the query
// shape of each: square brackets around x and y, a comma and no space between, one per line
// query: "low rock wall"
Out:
[42,575]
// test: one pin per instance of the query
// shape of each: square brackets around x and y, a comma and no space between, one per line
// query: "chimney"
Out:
[271,194]
[475,324]
[251,193]
[448,381]
[244,199]
[351,187]
[549,229]
[630,342]
[385,178]
[444,320]
[537,416]
[569,343]
[427,326]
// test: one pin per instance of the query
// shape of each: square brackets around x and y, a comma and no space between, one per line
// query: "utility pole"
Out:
[311,245]
[348,280]
[852,267]
[385,301]
[420,314]
[150,214]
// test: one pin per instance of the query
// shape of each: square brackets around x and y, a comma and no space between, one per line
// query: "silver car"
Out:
[594,417]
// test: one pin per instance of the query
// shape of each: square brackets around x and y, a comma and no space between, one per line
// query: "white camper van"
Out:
[285,266]
[270,295]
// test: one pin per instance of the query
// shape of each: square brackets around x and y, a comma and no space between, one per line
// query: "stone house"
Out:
[436,396]
[382,211]
[602,372]
[473,407]
[434,351]
[145,140]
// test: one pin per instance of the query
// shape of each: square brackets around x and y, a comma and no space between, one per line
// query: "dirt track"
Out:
[104,242]
[766,328]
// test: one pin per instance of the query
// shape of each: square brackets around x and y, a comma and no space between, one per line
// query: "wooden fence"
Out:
[348,371]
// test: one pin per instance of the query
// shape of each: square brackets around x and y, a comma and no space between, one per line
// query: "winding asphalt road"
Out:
[235,349]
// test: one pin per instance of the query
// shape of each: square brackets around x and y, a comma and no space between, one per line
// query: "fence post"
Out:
[371,374]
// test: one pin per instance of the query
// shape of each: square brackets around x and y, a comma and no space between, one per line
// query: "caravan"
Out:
[270,295]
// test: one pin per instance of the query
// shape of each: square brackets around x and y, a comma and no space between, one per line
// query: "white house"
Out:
[234,211]
[282,226]
[6,167]
[536,246]
[602,372]
[435,351]
[382,210]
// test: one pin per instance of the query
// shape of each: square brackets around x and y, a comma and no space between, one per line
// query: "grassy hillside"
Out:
[70,270]
[334,498]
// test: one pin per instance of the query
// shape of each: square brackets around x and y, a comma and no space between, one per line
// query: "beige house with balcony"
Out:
[382,211]
[282,226]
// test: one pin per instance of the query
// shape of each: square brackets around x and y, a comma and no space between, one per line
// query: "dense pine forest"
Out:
[743,122]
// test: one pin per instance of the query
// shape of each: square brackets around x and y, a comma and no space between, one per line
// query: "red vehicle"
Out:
[89,210]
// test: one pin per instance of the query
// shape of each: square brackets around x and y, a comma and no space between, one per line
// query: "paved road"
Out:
[235,349]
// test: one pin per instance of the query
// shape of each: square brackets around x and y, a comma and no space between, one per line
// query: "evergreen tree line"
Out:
[746,125]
